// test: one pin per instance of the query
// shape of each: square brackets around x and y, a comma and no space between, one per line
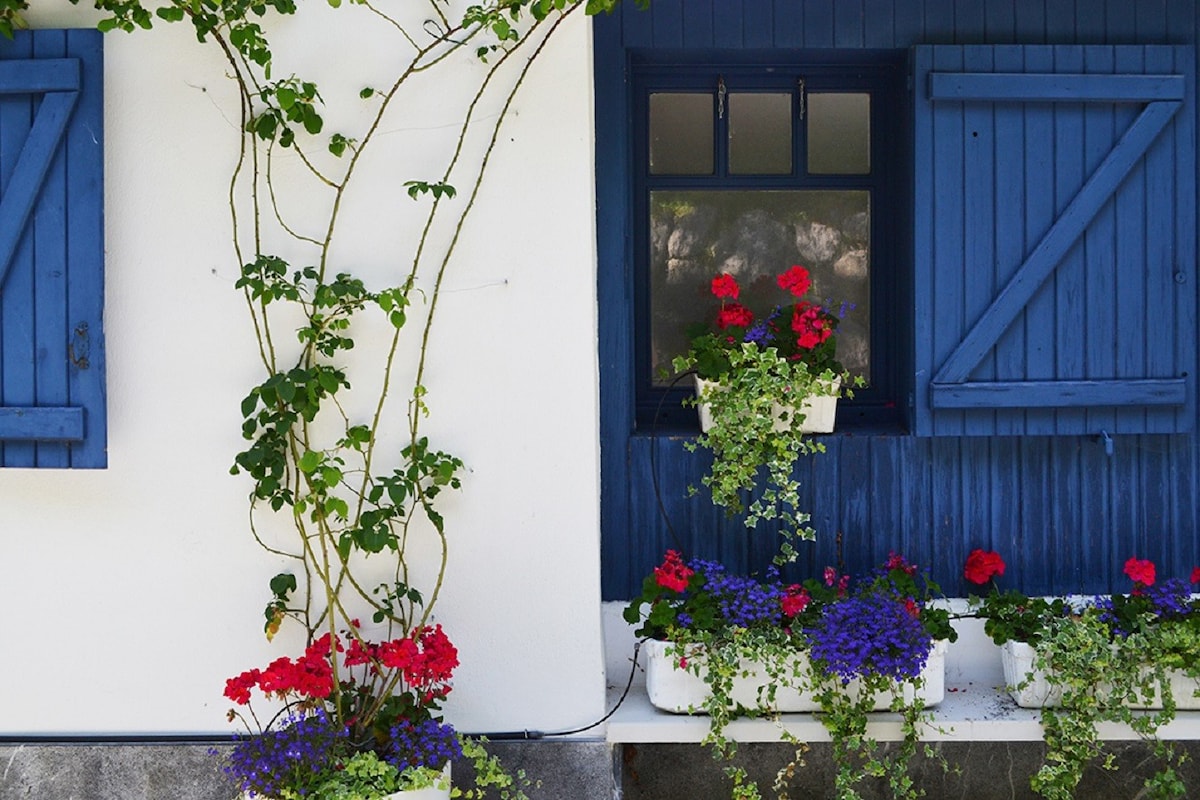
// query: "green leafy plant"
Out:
[844,643]
[761,373]
[348,487]
[1108,658]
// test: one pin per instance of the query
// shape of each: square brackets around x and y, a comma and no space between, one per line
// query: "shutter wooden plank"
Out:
[47,225]
[1062,235]
[979,203]
[1055,88]
[41,424]
[18,380]
[1040,208]
[1060,393]
[1010,147]
[35,76]
[85,254]
[1130,294]
[1071,276]
[1100,131]
[21,192]
[950,226]
[1186,256]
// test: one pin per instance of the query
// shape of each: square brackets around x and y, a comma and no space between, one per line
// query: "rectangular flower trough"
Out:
[1032,688]
[681,691]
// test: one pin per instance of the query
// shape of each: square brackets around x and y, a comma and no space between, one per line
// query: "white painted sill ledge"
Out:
[977,707]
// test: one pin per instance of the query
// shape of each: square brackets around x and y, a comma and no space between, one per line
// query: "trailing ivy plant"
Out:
[1101,678]
[751,443]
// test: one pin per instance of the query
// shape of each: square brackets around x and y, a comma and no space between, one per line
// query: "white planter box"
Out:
[682,692]
[1039,692]
[819,411]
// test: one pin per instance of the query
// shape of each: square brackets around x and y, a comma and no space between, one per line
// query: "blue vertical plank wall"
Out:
[1041,485]
[52,367]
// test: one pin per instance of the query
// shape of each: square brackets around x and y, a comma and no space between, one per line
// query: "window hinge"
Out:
[721,97]
[803,96]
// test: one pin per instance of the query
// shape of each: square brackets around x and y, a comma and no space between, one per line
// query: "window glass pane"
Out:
[681,134]
[760,134]
[839,133]
[754,236]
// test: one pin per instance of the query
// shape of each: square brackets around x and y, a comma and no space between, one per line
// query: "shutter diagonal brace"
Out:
[34,162]
[949,387]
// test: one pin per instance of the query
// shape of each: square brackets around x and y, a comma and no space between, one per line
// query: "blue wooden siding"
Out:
[52,387]
[1064,513]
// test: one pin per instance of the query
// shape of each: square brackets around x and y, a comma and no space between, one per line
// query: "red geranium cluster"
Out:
[982,566]
[673,574]
[795,599]
[310,676]
[800,330]
[425,660]
[1141,571]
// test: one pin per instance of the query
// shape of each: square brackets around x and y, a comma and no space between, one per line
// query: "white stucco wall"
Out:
[131,593]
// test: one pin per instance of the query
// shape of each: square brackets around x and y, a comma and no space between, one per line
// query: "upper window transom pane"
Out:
[681,133]
[839,133]
[760,133]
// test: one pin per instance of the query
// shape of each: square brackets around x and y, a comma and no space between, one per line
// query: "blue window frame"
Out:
[732,172]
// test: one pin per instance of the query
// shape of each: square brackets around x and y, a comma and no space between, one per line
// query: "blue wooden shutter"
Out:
[1054,239]
[52,391]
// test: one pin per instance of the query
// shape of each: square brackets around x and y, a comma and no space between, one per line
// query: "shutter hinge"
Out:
[721,92]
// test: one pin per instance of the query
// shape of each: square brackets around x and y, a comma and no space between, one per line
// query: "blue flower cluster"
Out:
[1168,599]
[870,634]
[741,601]
[290,756]
[428,743]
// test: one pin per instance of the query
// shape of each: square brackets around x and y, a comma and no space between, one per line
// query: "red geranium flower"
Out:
[734,314]
[725,286]
[1195,574]
[795,600]
[673,574]
[1140,571]
[795,280]
[811,328]
[982,566]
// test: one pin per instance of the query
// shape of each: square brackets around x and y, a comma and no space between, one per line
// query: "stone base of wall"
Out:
[560,770]
[978,770]
[575,769]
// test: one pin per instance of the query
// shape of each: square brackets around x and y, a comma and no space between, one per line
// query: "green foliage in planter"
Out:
[749,449]
[808,637]
[1104,655]
[1100,676]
